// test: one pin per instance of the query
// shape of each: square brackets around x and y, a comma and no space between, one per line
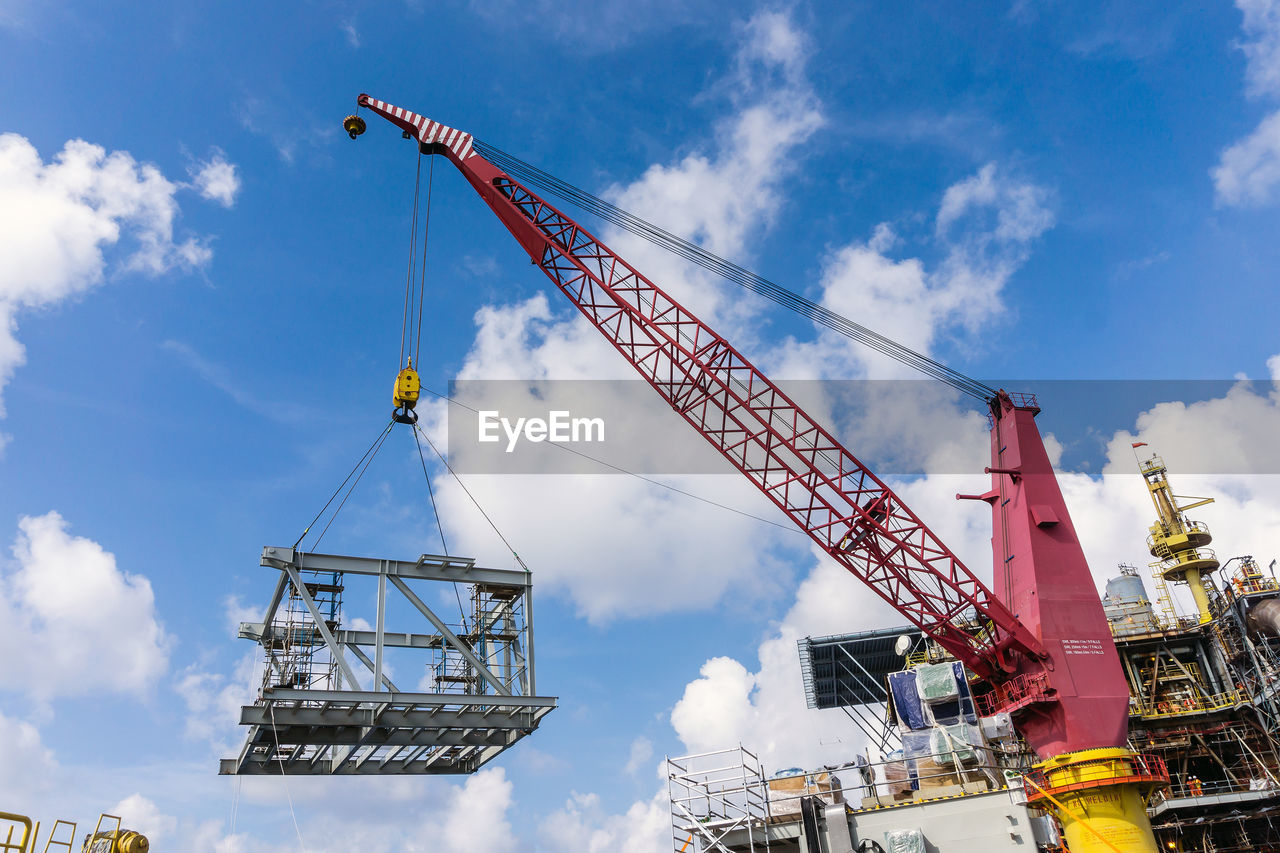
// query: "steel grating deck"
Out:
[312,732]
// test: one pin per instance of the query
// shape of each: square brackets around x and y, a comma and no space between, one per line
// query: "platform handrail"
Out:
[7,844]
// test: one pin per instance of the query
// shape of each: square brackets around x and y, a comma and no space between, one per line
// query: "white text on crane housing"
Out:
[559,427]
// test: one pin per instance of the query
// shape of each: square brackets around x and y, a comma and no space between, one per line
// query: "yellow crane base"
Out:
[1099,797]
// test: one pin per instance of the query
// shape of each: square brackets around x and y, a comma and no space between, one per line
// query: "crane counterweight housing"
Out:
[1040,641]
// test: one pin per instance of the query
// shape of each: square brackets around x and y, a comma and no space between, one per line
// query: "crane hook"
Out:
[353,125]
[405,396]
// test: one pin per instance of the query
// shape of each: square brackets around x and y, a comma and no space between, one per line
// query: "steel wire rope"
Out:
[381,440]
[422,264]
[439,523]
[418,428]
[336,491]
[415,355]
[405,330]
[285,779]
[790,528]
[816,312]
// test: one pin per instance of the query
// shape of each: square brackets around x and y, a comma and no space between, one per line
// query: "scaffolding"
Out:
[715,797]
[298,657]
[314,715]
[494,634]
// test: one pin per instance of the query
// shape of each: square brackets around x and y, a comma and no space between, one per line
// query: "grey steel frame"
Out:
[385,731]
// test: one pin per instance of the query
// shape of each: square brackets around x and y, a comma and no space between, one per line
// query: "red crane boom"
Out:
[845,508]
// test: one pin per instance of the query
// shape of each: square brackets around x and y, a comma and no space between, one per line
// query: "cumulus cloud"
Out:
[71,622]
[33,766]
[720,197]
[640,754]
[472,819]
[214,700]
[60,219]
[141,815]
[217,179]
[985,228]
[765,709]
[1262,49]
[1248,171]
[584,826]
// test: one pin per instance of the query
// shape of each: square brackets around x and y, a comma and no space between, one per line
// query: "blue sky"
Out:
[201,290]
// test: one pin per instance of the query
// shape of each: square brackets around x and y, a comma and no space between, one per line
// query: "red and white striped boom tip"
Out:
[425,129]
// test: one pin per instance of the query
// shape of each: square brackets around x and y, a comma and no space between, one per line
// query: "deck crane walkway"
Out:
[1040,641]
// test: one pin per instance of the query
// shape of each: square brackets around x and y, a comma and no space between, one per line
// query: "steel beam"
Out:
[257,632]
[441,700]
[451,638]
[427,567]
[319,718]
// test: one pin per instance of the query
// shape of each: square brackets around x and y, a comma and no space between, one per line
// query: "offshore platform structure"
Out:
[1039,642]
[1202,687]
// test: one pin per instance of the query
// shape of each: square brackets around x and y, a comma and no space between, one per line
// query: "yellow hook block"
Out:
[407,388]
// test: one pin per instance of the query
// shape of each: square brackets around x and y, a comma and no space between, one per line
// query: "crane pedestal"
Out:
[1099,796]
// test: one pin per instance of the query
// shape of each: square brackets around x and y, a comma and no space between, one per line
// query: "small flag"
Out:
[1138,444]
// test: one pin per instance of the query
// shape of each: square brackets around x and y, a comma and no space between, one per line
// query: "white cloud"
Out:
[721,198]
[216,178]
[71,622]
[1249,171]
[138,813]
[583,826]
[472,819]
[985,227]
[32,767]
[1262,26]
[641,752]
[58,219]
[349,30]
[765,710]
[1020,211]
[213,701]
[237,611]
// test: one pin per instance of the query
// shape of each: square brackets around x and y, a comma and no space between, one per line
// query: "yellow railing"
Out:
[14,822]
[1191,705]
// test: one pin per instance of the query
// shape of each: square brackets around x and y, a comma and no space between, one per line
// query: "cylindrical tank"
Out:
[1127,607]
[1263,619]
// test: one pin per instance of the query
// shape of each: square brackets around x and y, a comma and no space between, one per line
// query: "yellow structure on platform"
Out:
[1099,797]
[1177,543]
